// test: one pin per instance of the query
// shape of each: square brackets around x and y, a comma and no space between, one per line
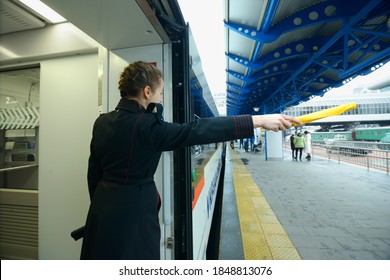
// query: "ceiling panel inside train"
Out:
[114,24]
[282,52]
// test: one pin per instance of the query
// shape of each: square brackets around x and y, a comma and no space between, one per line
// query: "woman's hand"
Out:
[275,122]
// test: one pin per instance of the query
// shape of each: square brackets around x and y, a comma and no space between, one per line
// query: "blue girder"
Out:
[293,72]
[298,21]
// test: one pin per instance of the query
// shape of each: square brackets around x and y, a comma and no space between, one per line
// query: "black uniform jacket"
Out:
[125,149]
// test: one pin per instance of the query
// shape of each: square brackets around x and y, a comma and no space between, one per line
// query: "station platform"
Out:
[309,210]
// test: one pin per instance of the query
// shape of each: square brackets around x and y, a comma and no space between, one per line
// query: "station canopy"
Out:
[284,52]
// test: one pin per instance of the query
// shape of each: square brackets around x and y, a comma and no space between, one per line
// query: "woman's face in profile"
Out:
[157,96]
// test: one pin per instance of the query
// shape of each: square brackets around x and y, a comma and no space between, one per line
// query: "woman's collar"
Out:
[129,105]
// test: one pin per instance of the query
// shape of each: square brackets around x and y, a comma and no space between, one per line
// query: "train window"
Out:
[19,114]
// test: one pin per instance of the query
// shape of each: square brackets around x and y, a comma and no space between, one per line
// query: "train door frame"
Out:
[182,157]
[174,29]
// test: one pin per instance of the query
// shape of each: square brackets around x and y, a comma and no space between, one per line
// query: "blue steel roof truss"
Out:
[303,67]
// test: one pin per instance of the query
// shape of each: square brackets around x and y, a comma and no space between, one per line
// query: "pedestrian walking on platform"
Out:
[299,144]
[292,147]
[308,145]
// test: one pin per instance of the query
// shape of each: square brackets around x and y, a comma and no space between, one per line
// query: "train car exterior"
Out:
[375,134]
[206,160]
[371,134]
[321,137]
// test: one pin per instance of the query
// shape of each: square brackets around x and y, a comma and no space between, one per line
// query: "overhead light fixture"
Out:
[256,109]
[43,10]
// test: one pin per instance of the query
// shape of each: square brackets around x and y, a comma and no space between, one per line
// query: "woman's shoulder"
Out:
[155,112]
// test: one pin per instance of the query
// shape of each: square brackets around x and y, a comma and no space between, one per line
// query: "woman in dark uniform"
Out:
[125,149]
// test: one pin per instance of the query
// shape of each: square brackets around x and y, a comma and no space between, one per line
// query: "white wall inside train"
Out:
[73,74]
[274,145]
[68,107]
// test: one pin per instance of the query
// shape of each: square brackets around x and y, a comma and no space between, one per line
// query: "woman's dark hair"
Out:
[136,76]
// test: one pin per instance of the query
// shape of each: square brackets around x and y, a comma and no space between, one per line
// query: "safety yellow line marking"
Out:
[263,237]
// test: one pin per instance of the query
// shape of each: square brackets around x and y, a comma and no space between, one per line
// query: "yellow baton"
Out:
[326,113]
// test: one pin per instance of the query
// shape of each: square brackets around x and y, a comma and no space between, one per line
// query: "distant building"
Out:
[373,107]
[220,102]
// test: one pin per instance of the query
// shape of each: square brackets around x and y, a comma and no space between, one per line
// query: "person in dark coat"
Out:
[125,149]
[292,146]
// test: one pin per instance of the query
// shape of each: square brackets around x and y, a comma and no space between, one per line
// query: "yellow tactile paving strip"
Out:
[263,237]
